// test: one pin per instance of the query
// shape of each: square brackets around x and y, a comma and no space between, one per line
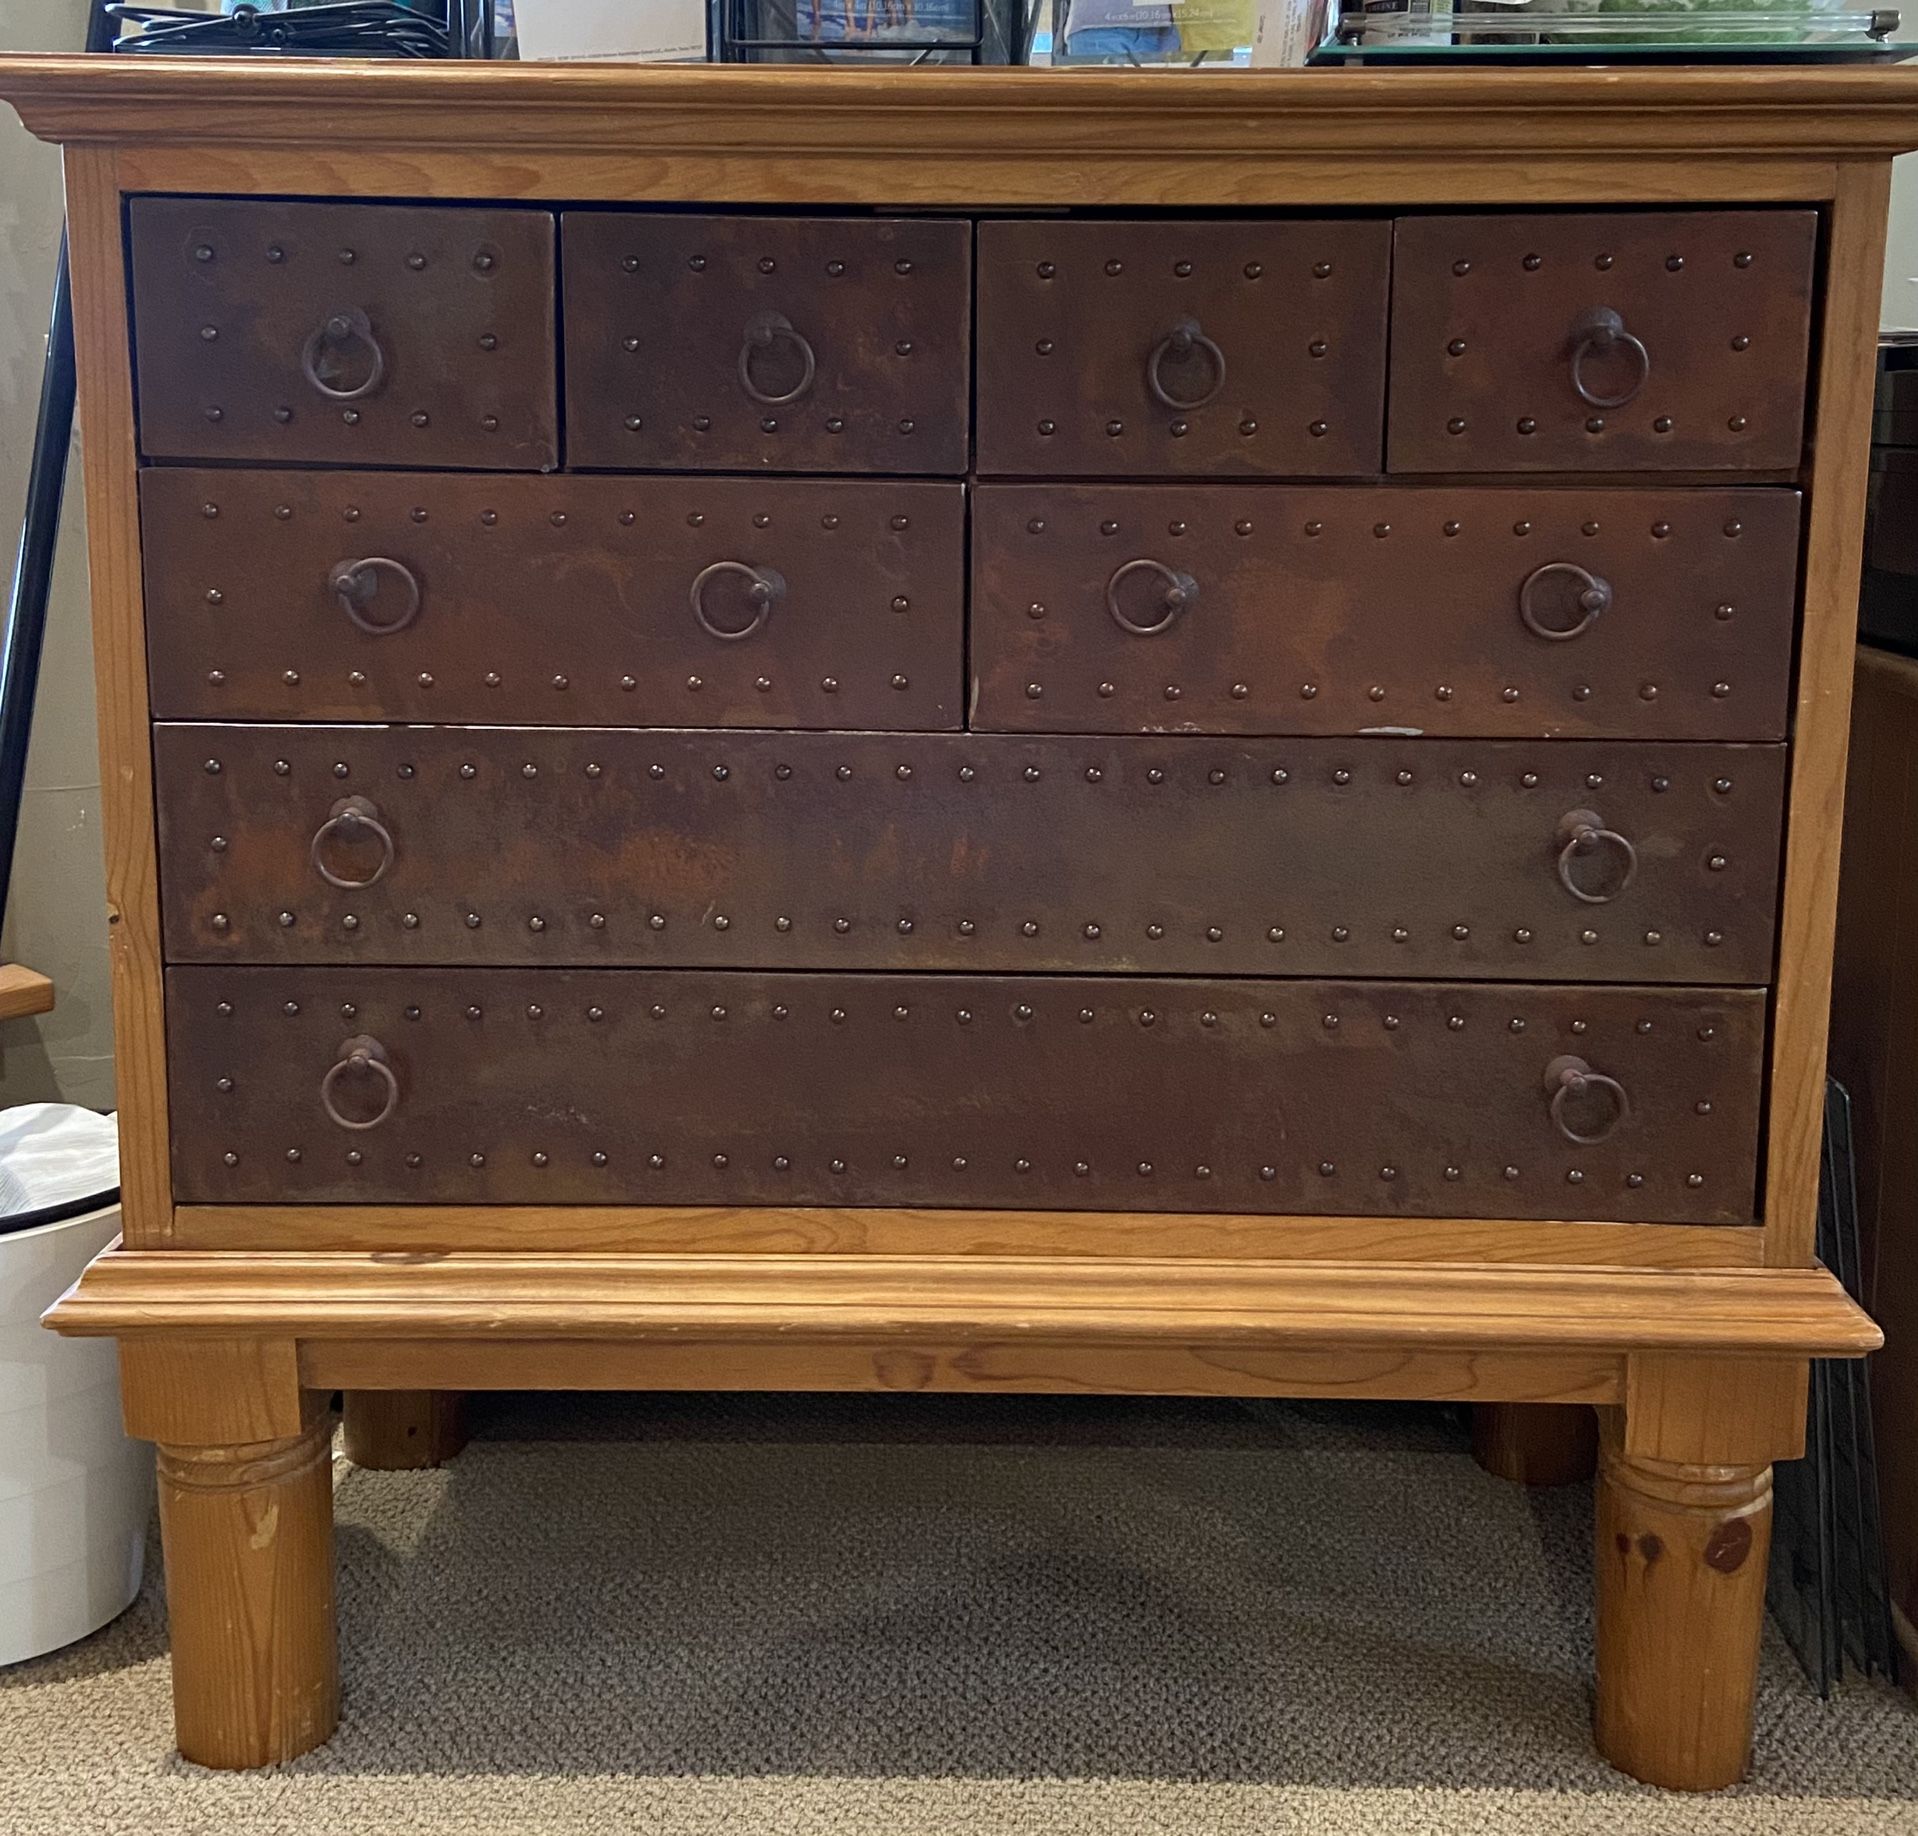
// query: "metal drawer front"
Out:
[1126,349]
[1635,612]
[695,1087]
[353,334]
[792,344]
[1576,861]
[620,601]
[1657,340]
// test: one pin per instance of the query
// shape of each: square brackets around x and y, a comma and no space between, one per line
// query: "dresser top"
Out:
[964,136]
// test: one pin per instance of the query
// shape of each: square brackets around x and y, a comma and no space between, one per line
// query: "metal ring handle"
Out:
[349,327]
[1570,1077]
[356,585]
[360,1053]
[349,819]
[767,587]
[1180,591]
[761,335]
[1582,832]
[1181,341]
[1594,597]
[1602,329]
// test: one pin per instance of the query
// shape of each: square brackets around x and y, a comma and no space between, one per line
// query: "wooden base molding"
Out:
[402,1431]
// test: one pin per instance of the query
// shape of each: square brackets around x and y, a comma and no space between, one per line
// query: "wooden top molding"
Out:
[959,136]
[765,1299]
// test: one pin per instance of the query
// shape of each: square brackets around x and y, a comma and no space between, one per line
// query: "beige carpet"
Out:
[755,1616]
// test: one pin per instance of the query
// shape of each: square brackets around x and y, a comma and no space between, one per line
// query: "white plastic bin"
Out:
[75,1492]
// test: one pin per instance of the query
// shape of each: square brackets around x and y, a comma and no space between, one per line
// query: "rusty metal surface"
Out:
[1702,367]
[562,600]
[353,334]
[1348,609]
[697,1087]
[800,344]
[1218,349]
[980,852]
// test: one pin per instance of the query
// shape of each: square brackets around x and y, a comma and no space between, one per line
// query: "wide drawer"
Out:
[1219,348]
[353,334]
[799,344]
[1634,612]
[1621,341]
[695,1087]
[1574,861]
[630,601]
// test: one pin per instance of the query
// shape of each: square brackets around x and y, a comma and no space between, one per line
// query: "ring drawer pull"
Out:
[1180,591]
[336,332]
[1570,1078]
[768,329]
[361,1056]
[351,818]
[1582,833]
[1594,597]
[356,585]
[1181,341]
[766,588]
[1601,332]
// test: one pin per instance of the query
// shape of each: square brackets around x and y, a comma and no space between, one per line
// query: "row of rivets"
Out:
[489,519]
[961,1163]
[1603,262]
[349,417]
[484,260]
[1381,531]
[1092,930]
[1183,269]
[1309,691]
[1179,428]
[1216,776]
[1021,1012]
[766,264]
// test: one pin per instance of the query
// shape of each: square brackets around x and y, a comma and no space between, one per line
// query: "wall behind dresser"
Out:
[56,909]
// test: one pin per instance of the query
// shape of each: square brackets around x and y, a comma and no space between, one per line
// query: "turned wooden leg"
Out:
[246,1520]
[1681,1556]
[248,1534]
[395,1431]
[1535,1443]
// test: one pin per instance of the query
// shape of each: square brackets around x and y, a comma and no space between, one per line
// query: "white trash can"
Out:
[75,1492]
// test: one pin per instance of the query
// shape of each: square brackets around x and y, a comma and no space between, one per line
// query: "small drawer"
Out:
[344,334]
[1628,341]
[718,602]
[793,344]
[1580,860]
[522,1086]
[1521,611]
[1252,349]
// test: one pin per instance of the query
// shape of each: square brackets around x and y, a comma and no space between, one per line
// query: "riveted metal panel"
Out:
[696,1087]
[1218,349]
[798,344]
[631,601]
[1570,860]
[1496,610]
[349,334]
[1622,341]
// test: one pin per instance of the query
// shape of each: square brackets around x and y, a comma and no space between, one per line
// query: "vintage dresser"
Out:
[972,730]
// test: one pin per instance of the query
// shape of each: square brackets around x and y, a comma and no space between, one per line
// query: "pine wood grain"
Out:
[961,1298]
[883,1231]
[109,460]
[248,1538]
[1815,807]
[402,1431]
[23,991]
[1680,1558]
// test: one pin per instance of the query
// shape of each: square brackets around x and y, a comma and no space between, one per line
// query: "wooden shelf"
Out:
[23,991]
